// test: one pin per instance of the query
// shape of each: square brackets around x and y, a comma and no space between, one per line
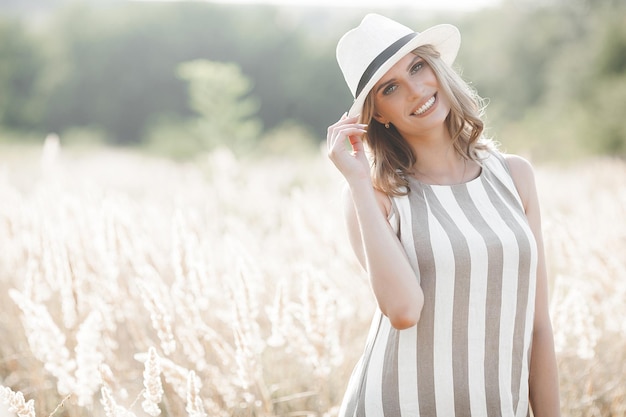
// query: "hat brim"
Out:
[445,38]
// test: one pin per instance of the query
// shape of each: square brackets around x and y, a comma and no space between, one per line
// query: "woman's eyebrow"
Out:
[408,68]
[385,84]
[415,60]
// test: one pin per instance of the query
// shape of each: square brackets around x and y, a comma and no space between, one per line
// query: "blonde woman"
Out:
[448,230]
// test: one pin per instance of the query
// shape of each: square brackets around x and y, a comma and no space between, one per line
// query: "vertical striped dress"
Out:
[476,259]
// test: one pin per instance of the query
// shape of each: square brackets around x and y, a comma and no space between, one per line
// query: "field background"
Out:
[226,284]
[171,238]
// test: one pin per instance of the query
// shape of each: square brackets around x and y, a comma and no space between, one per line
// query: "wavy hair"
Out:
[391,157]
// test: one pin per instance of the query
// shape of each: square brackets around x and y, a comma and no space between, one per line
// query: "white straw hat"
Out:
[368,51]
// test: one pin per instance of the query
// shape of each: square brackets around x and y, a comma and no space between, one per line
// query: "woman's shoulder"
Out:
[517,162]
[523,175]
[520,168]
[516,165]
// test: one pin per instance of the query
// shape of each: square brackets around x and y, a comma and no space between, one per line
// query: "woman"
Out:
[449,232]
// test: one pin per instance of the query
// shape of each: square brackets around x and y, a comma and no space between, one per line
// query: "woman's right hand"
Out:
[373,240]
[346,149]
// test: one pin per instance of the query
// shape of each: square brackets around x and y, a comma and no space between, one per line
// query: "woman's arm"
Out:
[381,254]
[543,380]
[374,242]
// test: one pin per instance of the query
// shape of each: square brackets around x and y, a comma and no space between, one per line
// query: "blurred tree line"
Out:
[554,72]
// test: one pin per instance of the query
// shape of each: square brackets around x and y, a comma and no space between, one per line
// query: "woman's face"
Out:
[407,96]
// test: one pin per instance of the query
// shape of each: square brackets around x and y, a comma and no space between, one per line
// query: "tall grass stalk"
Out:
[224,287]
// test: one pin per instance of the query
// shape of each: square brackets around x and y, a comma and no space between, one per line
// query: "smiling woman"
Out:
[447,229]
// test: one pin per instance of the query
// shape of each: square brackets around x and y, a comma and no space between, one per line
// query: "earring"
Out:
[387,125]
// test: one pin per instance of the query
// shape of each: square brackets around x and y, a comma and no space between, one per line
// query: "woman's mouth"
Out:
[425,106]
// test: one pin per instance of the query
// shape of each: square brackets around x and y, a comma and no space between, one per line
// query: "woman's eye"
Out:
[417,67]
[390,89]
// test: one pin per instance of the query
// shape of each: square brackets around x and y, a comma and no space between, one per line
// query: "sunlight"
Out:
[451,5]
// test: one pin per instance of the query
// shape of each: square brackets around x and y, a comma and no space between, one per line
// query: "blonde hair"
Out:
[391,156]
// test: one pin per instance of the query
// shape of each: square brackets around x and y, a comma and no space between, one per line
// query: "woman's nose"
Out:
[415,88]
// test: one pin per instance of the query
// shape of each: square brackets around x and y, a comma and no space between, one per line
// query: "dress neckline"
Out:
[460,184]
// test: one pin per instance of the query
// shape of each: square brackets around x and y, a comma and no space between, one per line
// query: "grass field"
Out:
[133,285]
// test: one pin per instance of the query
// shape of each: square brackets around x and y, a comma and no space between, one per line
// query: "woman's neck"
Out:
[437,160]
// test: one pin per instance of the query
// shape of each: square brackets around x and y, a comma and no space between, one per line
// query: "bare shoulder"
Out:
[523,176]
[518,165]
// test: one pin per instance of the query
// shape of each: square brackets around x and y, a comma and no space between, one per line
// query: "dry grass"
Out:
[135,286]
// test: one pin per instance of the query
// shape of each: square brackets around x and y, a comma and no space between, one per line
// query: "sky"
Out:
[459,5]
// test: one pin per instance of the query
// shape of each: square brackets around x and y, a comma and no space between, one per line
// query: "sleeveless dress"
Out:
[475,257]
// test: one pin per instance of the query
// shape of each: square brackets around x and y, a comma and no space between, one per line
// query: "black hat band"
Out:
[381,59]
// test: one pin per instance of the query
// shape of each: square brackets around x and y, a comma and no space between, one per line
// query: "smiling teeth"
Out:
[426,106]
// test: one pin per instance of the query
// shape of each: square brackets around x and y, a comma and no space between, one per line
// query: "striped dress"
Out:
[476,259]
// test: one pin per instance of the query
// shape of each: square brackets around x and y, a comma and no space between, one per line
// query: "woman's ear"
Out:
[380,119]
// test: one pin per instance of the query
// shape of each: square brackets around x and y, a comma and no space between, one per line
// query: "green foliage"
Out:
[115,66]
[218,92]
[289,139]
[20,68]
[606,130]
[83,138]
[553,73]
[553,76]
[612,56]
[113,69]
[172,137]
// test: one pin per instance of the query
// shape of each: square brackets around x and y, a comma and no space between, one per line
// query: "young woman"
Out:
[449,232]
